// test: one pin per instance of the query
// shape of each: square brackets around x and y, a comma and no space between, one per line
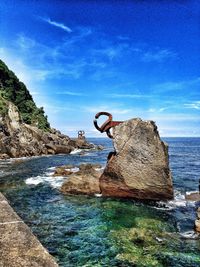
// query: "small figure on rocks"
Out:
[81,134]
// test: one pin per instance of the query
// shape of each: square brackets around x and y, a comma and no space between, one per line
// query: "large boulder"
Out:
[85,181]
[139,167]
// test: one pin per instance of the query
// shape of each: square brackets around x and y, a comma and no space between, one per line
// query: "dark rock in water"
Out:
[85,181]
[82,143]
[62,171]
[139,167]
[99,147]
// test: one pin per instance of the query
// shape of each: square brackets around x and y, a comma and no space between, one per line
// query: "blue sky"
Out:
[130,58]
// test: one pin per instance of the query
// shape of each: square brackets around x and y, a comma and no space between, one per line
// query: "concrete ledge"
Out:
[18,246]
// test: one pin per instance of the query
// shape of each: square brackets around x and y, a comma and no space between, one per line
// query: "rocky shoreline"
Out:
[137,168]
[18,139]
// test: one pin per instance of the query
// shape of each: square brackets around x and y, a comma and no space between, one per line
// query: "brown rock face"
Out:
[139,167]
[197,226]
[197,221]
[85,181]
[18,139]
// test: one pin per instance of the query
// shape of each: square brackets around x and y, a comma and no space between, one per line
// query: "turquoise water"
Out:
[92,231]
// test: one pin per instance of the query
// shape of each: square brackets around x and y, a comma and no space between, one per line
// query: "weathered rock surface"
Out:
[85,181]
[197,221]
[139,167]
[197,226]
[18,139]
[193,197]
[18,246]
[65,170]
[198,213]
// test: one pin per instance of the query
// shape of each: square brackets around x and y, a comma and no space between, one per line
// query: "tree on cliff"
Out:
[15,91]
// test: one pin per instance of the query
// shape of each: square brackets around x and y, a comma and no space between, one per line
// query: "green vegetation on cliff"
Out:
[15,91]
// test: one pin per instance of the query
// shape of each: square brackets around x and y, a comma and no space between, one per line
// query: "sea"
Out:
[95,231]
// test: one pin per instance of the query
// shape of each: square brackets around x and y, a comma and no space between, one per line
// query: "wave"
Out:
[55,182]
[47,177]
[178,201]
[189,235]
[76,151]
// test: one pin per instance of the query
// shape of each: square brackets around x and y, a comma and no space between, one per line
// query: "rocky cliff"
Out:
[18,139]
[24,129]
[13,90]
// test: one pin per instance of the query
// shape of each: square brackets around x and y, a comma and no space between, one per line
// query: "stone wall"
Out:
[18,246]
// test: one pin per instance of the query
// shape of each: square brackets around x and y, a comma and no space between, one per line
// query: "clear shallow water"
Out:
[91,231]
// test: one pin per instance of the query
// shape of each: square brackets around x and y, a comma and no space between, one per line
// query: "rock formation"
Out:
[24,128]
[18,139]
[139,167]
[84,181]
[197,221]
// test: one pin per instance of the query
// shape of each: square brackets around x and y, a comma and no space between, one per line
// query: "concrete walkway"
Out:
[18,246]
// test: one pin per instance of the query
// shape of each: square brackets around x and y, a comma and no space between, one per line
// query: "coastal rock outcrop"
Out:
[139,166]
[84,181]
[24,127]
[18,139]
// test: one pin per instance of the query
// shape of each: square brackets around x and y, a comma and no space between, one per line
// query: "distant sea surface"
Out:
[95,231]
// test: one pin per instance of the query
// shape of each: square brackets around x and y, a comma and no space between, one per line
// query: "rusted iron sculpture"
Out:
[107,125]
[81,134]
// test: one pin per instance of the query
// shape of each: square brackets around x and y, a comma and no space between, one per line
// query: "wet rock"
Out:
[197,226]
[99,147]
[193,197]
[139,166]
[198,213]
[83,144]
[62,149]
[85,181]
[62,171]
[4,156]
[197,222]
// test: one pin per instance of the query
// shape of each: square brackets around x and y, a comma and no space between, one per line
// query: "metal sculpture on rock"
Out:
[107,125]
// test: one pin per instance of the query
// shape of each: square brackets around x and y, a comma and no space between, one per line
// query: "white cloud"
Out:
[127,96]
[58,24]
[70,93]
[112,51]
[193,105]
[158,56]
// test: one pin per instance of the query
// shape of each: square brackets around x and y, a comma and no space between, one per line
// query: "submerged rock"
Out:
[84,181]
[139,167]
